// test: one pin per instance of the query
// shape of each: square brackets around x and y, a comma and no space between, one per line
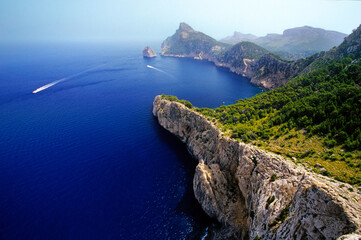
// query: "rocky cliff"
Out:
[264,68]
[256,194]
[186,42]
[148,52]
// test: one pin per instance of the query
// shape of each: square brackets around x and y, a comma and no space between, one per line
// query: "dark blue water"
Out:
[85,159]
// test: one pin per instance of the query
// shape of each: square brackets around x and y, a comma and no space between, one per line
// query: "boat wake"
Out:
[159,70]
[49,85]
[65,79]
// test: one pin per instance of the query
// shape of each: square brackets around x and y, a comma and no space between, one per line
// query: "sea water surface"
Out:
[85,158]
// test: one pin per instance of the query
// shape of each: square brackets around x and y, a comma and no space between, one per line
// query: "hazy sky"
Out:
[114,20]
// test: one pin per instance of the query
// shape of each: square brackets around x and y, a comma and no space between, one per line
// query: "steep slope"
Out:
[351,45]
[187,42]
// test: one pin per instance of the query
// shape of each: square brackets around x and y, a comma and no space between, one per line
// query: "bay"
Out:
[85,158]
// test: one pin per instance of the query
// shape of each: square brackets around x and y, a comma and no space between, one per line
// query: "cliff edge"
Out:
[255,194]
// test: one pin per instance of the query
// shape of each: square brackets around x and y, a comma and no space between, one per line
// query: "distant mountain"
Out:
[350,47]
[295,43]
[239,37]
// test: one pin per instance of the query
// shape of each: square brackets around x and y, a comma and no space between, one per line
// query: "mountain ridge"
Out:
[294,43]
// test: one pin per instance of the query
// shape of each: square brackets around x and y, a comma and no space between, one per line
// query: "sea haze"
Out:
[85,158]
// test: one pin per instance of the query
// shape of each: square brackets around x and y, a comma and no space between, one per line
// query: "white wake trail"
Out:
[64,79]
[160,70]
[48,85]
[157,69]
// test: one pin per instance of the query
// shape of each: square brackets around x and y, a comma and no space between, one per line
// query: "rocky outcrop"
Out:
[256,194]
[148,52]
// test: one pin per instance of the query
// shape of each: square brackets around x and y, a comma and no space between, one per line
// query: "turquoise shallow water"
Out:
[84,158]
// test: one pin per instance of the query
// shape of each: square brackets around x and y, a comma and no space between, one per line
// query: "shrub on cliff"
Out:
[175,99]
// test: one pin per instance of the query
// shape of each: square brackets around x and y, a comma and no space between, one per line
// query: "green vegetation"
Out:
[273,178]
[175,99]
[282,217]
[315,118]
[244,50]
[269,201]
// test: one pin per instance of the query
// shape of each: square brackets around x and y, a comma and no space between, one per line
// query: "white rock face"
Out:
[233,182]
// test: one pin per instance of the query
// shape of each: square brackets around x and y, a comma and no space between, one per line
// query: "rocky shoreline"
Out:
[250,68]
[255,194]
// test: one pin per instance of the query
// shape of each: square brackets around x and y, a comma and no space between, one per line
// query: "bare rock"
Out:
[148,52]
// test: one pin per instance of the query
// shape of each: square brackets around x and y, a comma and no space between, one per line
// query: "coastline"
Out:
[238,71]
[232,183]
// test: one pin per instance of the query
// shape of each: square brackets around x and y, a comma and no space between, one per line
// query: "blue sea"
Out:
[85,158]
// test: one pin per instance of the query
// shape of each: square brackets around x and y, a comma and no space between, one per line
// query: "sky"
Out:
[154,20]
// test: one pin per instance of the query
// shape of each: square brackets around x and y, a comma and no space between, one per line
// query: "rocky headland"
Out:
[149,52]
[264,68]
[255,194]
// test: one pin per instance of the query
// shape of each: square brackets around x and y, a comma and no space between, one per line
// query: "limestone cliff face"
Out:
[256,193]
[267,72]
